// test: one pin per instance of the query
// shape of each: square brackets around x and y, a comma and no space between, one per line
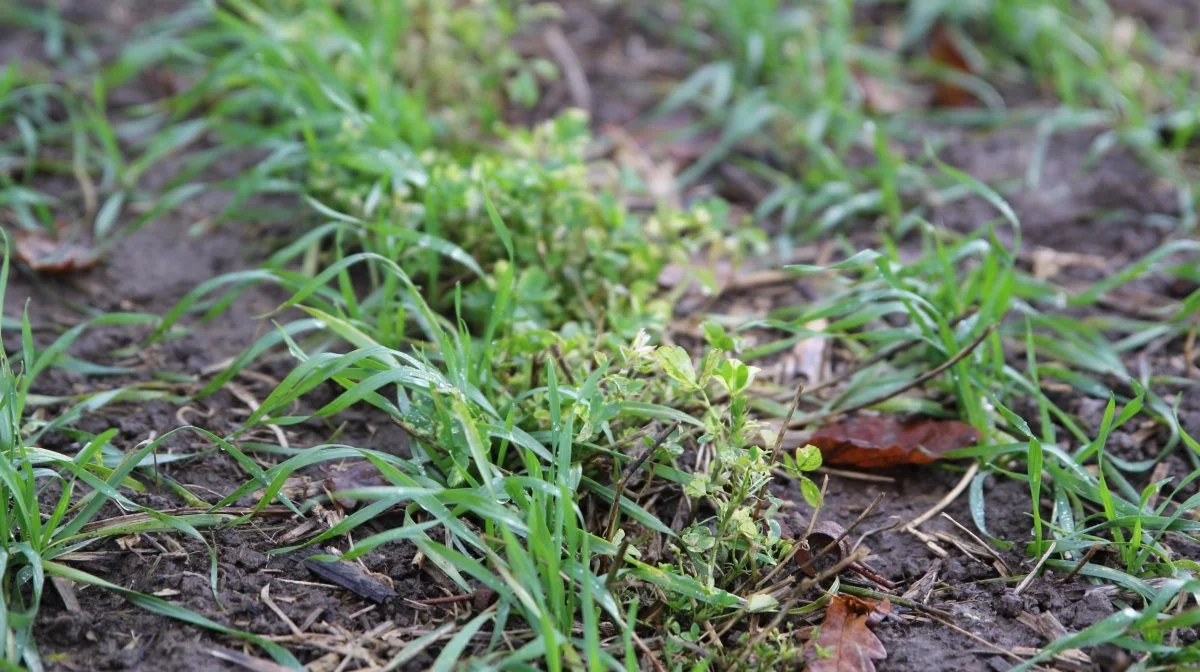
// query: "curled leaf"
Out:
[943,50]
[822,536]
[47,254]
[882,442]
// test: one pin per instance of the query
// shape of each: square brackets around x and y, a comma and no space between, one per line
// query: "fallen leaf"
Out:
[881,96]
[807,356]
[47,254]
[1048,262]
[944,51]
[822,535]
[880,442]
[844,643]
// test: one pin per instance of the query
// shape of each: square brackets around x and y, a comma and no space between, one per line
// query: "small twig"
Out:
[265,594]
[798,593]
[1082,561]
[648,653]
[775,449]
[879,357]
[895,599]
[987,547]
[562,364]
[445,599]
[573,72]
[865,571]
[611,528]
[915,382]
[929,542]
[938,615]
[245,661]
[893,523]
[948,499]
[1189,355]
[1033,574]
[617,560]
[855,475]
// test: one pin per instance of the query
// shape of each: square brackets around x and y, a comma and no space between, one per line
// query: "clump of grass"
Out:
[51,508]
[70,133]
[473,286]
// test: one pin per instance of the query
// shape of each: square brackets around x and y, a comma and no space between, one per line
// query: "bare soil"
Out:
[1099,210]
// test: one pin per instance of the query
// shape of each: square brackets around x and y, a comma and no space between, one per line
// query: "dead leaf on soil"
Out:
[844,643]
[881,96]
[944,51]
[807,356]
[1048,262]
[48,254]
[881,442]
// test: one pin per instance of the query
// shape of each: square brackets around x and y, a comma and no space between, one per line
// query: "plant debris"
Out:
[844,643]
[944,51]
[45,253]
[351,578]
[881,442]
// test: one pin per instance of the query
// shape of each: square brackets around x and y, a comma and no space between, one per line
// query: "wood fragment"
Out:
[1006,570]
[66,590]
[1032,574]
[929,542]
[351,578]
[265,594]
[919,591]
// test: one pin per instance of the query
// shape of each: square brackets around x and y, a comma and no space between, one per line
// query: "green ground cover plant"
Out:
[609,470]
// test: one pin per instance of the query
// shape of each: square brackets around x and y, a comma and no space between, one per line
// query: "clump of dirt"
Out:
[1073,205]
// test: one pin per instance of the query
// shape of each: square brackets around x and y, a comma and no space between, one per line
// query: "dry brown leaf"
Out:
[47,254]
[807,356]
[1048,262]
[943,50]
[844,643]
[883,97]
[882,442]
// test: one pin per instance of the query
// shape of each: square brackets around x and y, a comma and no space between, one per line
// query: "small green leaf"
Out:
[808,458]
[716,336]
[697,487]
[698,539]
[760,602]
[736,376]
[812,494]
[677,364]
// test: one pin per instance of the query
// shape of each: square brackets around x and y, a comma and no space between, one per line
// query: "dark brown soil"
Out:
[1101,211]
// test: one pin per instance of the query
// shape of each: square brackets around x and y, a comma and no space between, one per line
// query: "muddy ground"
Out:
[1100,212]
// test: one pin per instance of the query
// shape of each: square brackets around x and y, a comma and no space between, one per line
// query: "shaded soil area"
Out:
[1103,213]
